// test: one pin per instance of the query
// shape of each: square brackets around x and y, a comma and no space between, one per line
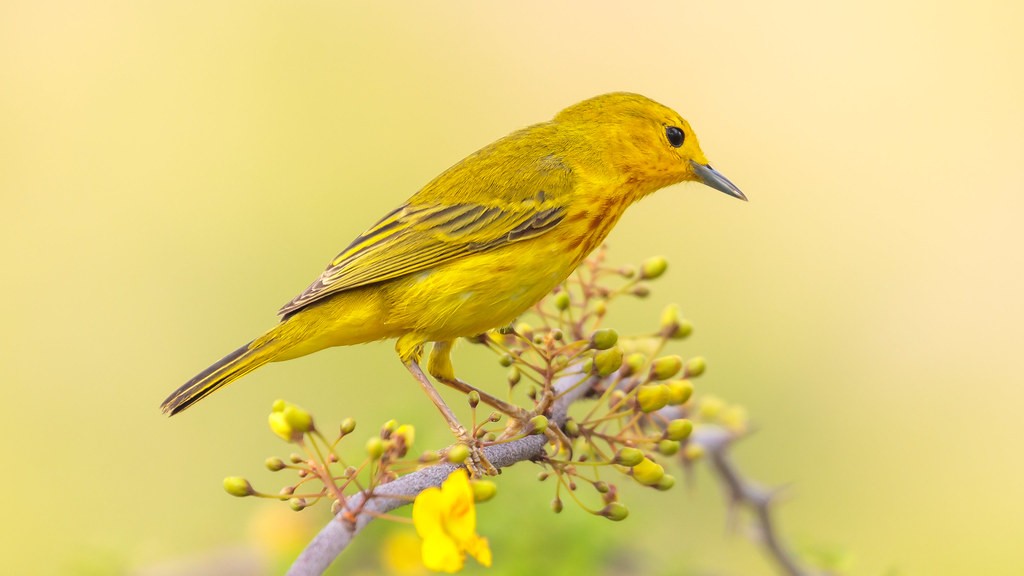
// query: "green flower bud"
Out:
[572,429]
[561,301]
[679,391]
[634,363]
[429,456]
[407,433]
[683,330]
[274,464]
[483,490]
[670,317]
[603,339]
[616,512]
[666,483]
[666,367]
[679,429]
[710,407]
[538,424]
[559,362]
[673,325]
[514,376]
[693,452]
[695,366]
[279,425]
[588,365]
[600,308]
[289,421]
[608,361]
[641,291]
[474,398]
[297,504]
[506,360]
[653,268]
[648,472]
[296,458]
[375,447]
[602,486]
[627,271]
[389,427]
[347,426]
[651,397]
[616,398]
[668,447]
[628,457]
[524,330]
[300,420]
[238,486]
[556,505]
[457,454]
[734,418]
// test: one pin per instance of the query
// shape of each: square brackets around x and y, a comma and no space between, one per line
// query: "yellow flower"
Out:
[401,554]
[445,519]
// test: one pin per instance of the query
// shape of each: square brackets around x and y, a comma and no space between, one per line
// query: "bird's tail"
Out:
[223,372]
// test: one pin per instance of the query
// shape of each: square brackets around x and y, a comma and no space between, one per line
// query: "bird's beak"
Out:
[713,178]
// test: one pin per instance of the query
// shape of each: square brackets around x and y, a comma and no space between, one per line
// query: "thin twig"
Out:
[740,491]
[361,508]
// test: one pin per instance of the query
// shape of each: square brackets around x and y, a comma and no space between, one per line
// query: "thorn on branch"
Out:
[744,493]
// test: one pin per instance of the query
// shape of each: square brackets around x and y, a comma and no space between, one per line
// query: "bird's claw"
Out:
[476,463]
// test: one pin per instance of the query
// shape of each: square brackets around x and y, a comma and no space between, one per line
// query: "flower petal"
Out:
[427,511]
[460,510]
[441,555]
[478,548]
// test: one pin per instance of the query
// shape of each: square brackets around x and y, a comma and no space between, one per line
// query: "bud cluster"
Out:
[644,408]
[321,473]
[638,415]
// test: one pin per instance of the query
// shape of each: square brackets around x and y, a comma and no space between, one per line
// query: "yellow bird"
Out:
[481,243]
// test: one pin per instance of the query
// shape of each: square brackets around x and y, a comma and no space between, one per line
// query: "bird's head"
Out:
[650,144]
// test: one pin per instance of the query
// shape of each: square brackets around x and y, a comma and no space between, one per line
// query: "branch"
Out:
[363,507]
[742,492]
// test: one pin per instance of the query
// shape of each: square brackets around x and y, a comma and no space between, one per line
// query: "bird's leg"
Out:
[477,462]
[440,367]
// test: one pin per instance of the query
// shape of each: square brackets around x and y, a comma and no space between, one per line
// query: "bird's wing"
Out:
[418,237]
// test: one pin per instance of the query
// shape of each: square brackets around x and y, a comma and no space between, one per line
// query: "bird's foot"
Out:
[476,462]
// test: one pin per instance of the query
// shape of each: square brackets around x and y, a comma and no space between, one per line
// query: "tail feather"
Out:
[223,372]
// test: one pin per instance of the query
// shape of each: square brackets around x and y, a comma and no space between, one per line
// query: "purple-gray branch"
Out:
[337,535]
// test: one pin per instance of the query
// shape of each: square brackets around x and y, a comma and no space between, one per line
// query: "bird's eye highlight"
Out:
[675,136]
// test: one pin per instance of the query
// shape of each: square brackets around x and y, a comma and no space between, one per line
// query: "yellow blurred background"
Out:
[173,172]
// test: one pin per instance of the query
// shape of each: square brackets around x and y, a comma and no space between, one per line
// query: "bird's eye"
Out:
[675,136]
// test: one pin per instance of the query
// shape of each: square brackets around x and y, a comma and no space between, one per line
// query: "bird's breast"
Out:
[478,292]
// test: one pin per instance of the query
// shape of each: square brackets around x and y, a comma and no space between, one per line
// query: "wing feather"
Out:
[414,238]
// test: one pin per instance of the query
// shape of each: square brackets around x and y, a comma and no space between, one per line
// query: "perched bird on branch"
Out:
[480,244]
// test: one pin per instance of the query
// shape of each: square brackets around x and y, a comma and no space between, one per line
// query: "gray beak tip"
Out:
[714,179]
